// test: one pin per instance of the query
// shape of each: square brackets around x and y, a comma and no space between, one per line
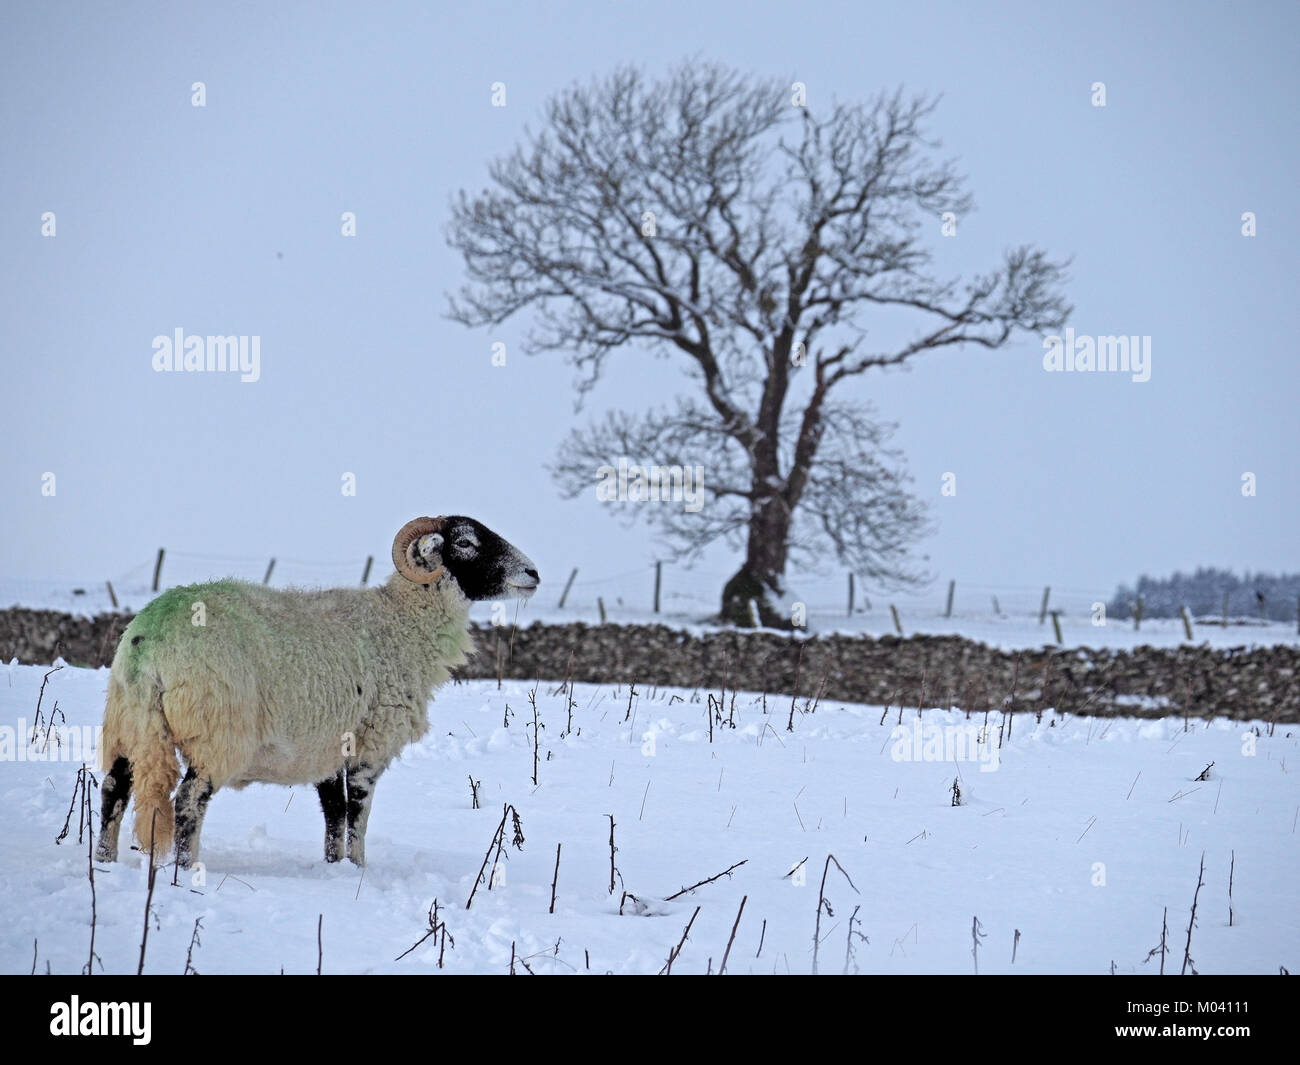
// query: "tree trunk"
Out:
[761,579]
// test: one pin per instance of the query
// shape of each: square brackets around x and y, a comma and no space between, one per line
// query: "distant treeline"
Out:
[1253,595]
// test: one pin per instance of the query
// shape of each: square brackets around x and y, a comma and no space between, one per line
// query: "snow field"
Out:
[1078,838]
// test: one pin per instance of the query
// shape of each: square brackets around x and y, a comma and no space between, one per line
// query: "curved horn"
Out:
[407,557]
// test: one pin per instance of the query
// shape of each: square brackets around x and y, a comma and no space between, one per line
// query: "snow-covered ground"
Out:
[689,601]
[1076,834]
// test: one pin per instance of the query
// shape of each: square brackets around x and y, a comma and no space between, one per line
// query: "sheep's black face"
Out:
[483,564]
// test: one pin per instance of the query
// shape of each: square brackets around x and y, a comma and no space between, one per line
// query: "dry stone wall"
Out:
[1242,683]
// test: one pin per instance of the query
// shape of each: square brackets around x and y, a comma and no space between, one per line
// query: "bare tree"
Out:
[711,217]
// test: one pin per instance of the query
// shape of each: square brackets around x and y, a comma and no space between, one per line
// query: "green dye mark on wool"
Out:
[167,619]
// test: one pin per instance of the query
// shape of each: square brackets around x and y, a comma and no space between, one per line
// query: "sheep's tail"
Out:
[135,728]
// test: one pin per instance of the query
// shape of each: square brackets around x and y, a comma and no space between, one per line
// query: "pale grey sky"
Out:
[226,220]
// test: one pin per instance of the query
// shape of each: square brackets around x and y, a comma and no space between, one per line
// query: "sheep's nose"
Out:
[524,582]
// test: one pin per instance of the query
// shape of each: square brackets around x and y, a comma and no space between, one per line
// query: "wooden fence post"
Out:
[269,566]
[898,625]
[1056,625]
[1187,623]
[157,569]
[567,585]
[112,596]
[365,573]
[850,595]
[659,575]
[952,587]
[1042,613]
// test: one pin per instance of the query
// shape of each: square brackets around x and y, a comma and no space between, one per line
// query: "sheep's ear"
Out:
[430,545]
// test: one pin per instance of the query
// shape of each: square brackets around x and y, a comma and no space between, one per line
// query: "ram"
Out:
[285,686]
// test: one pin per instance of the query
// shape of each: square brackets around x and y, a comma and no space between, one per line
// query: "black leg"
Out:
[114,795]
[361,788]
[191,804]
[334,804]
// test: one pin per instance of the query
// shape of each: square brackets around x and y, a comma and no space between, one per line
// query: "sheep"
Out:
[285,686]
